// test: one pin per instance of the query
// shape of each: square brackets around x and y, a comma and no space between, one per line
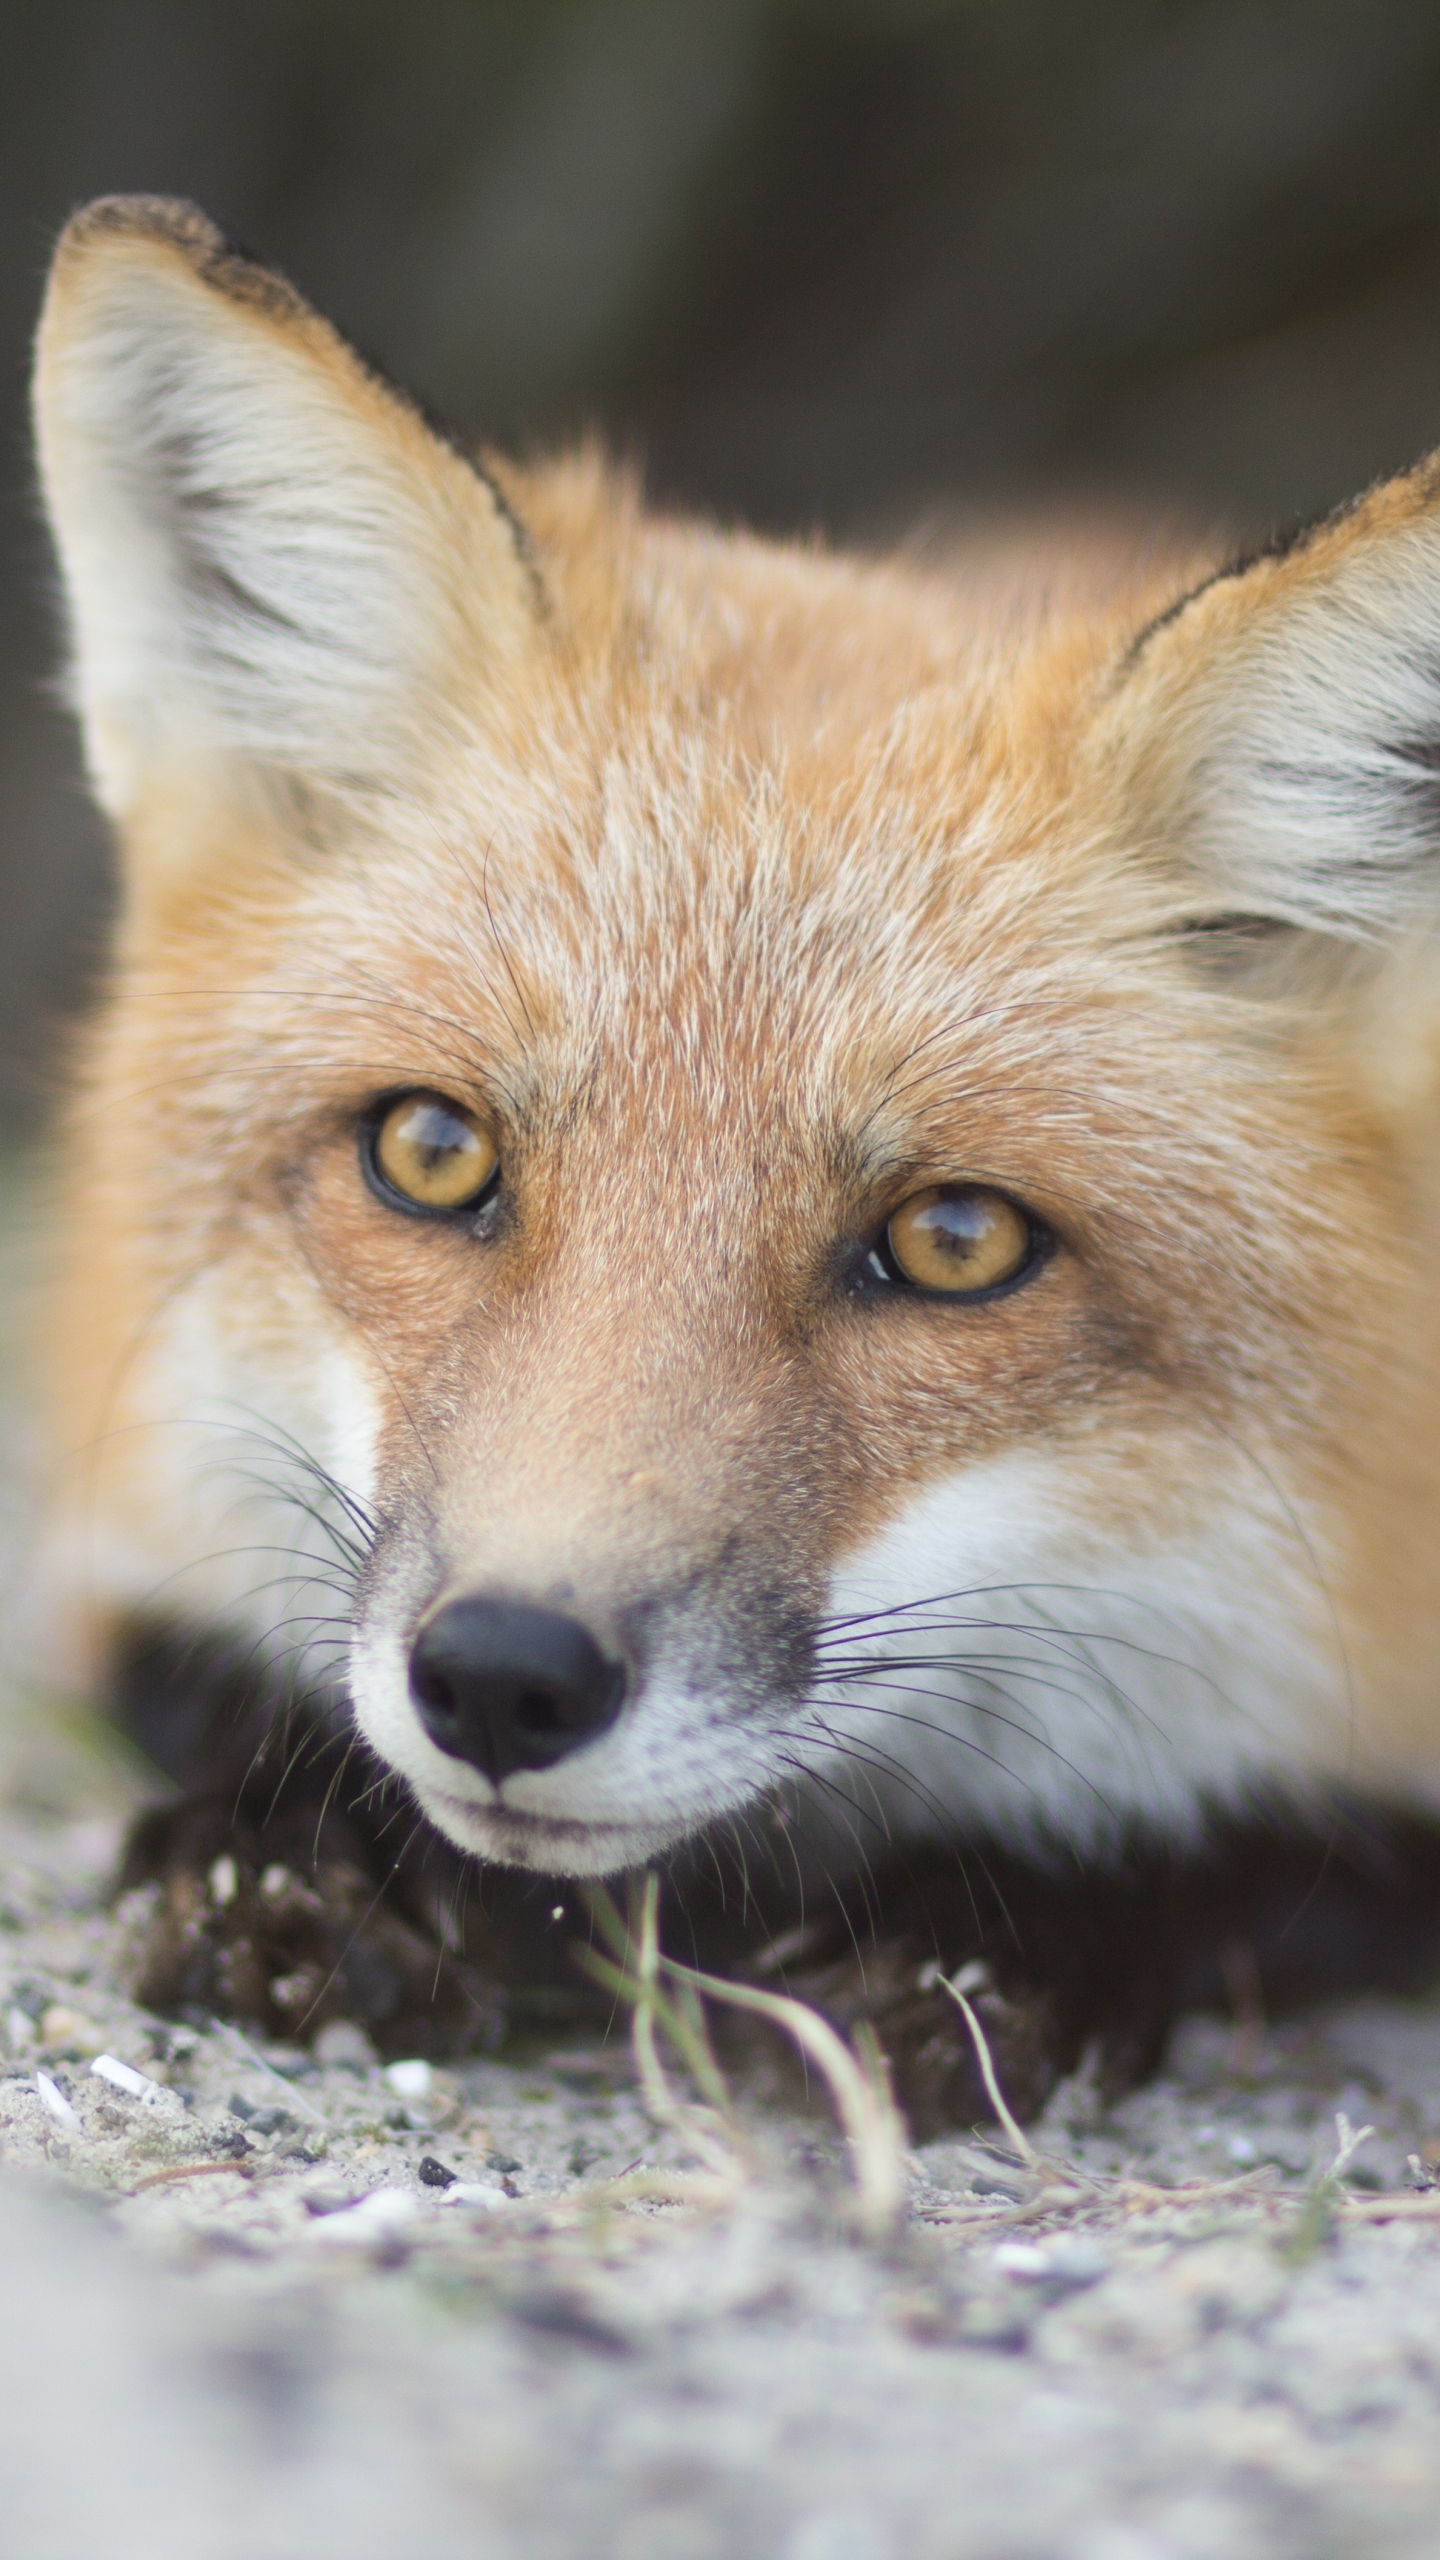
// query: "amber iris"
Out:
[434,1153]
[959,1240]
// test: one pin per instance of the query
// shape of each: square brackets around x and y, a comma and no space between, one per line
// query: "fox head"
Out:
[722,1176]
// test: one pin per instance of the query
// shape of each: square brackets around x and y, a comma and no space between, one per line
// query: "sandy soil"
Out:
[242,2315]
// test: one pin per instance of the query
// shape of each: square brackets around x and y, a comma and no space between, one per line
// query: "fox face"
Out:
[728,1184]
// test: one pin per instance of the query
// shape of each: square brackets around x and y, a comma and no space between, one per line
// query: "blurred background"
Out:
[835,264]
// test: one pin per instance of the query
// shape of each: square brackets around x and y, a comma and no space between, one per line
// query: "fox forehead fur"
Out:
[741,893]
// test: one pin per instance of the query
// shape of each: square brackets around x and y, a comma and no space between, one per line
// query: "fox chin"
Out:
[717,1188]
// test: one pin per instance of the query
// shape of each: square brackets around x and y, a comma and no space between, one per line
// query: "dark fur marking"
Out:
[381,1920]
[399,1930]
[1109,1958]
[1237,924]
[1279,544]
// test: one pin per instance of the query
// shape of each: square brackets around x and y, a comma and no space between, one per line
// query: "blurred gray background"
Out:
[819,263]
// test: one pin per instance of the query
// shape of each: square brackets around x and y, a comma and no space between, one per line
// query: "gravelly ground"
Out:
[213,2344]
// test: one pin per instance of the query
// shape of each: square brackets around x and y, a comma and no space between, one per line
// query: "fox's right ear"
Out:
[1275,736]
[268,553]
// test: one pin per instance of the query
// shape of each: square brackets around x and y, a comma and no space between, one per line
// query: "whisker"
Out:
[946,1733]
[985,1669]
[882,1764]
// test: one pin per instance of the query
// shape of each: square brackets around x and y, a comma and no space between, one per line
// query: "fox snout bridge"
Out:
[509,1687]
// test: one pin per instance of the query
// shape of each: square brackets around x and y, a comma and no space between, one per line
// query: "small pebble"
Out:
[345,2047]
[135,2084]
[326,2197]
[410,2079]
[433,2173]
[268,2119]
[56,2103]
[288,2059]
[1077,2262]
[62,2028]
[381,2215]
[1021,2259]
[1065,2265]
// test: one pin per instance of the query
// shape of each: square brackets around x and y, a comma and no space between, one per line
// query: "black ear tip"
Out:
[172,219]
[172,222]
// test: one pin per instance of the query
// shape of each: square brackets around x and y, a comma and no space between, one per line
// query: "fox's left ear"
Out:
[269,555]
[1276,734]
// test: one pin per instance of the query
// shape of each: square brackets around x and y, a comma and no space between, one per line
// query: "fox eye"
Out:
[429,1153]
[960,1240]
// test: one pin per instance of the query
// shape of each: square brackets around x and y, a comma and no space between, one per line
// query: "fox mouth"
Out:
[550,1843]
[550,1826]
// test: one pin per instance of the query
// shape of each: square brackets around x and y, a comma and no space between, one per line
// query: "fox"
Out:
[732,1205]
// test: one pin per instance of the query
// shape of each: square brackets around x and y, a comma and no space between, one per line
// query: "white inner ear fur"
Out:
[266,554]
[1301,763]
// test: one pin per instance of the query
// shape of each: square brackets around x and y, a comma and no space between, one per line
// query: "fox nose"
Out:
[509,1687]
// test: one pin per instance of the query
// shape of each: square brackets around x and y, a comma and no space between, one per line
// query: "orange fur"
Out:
[745,891]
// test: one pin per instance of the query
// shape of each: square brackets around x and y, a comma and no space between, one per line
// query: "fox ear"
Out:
[268,553]
[1287,743]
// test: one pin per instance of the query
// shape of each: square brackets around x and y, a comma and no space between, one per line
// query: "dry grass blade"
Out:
[861,2098]
[193,2169]
[657,2088]
[1015,2133]
[633,1976]
[684,2019]
[637,1972]
[1326,2195]
[1404,2207]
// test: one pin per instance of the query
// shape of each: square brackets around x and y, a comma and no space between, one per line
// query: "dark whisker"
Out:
[946,1733]
[985,1670]
[880,1763]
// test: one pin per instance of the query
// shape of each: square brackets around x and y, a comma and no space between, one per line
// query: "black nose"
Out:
[508,1687]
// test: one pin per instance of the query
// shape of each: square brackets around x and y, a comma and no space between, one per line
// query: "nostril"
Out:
[506,1686]
[432,1688]
[539,1711]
